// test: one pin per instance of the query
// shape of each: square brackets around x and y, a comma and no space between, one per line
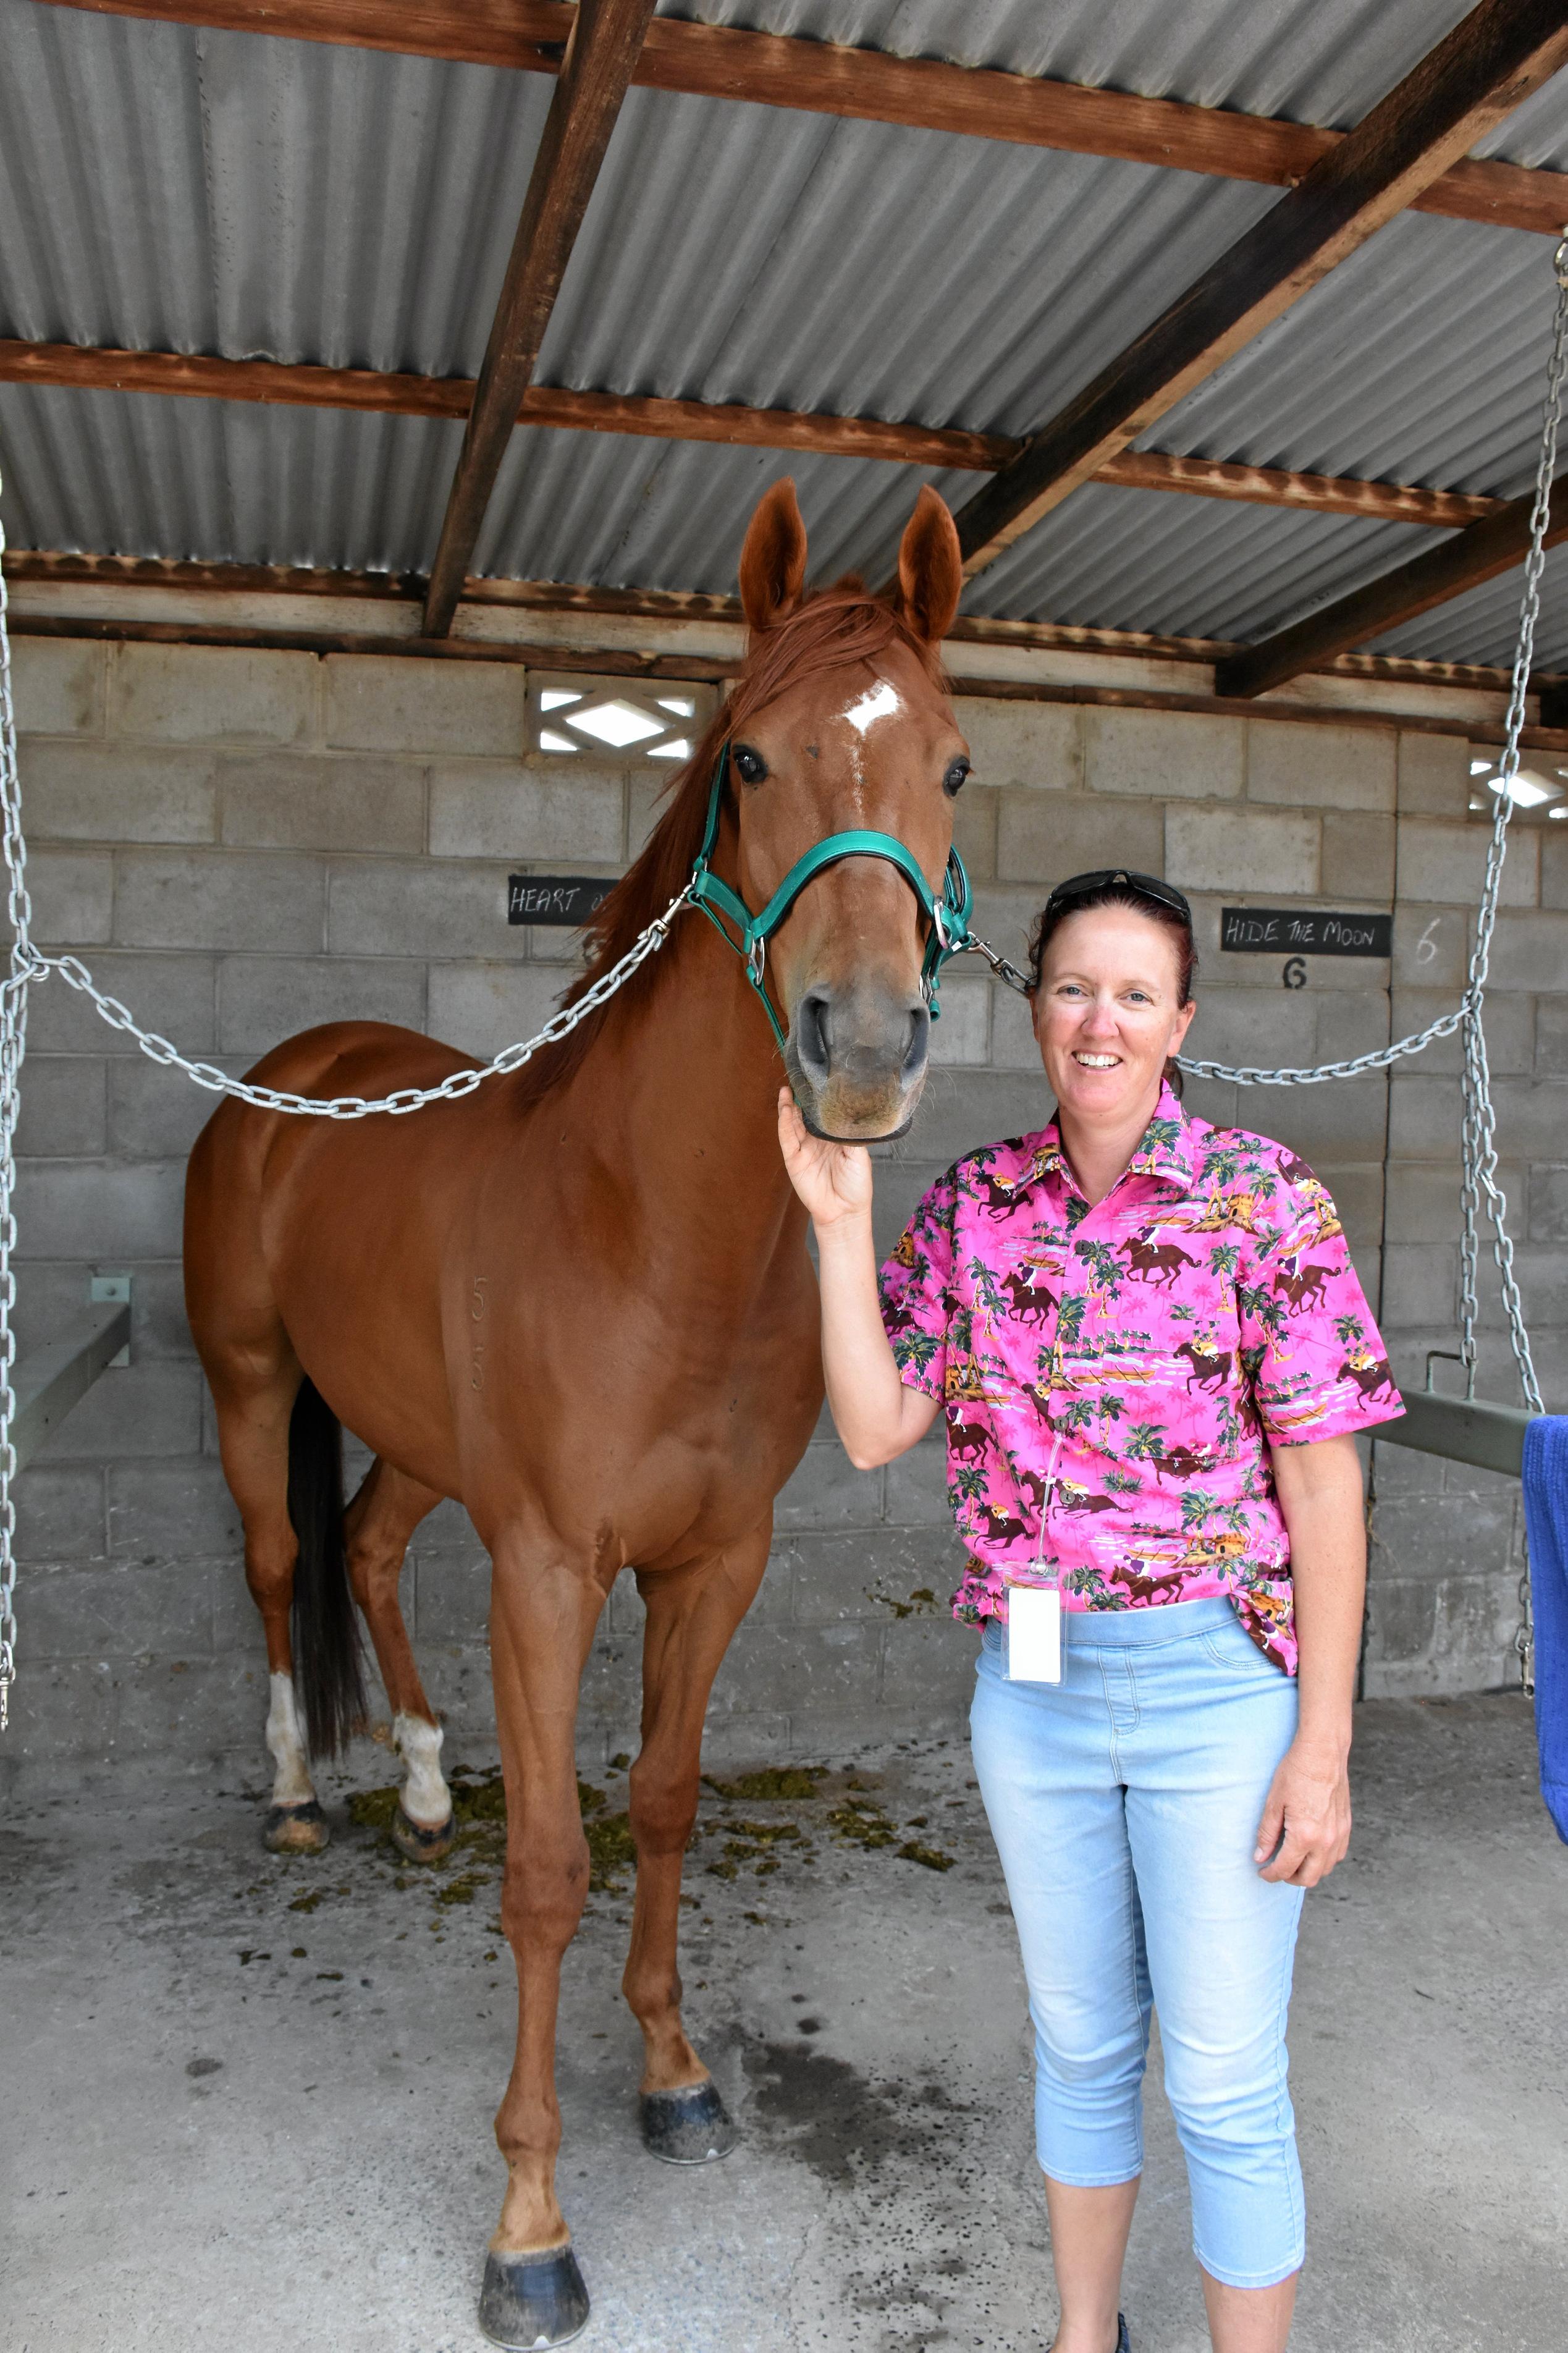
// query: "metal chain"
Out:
[402,1099]
[13,1045]
[1480,1139]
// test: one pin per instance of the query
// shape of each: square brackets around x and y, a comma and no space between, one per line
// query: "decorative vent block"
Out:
[570,716]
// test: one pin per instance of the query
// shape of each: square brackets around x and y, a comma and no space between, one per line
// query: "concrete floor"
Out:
[214,2138]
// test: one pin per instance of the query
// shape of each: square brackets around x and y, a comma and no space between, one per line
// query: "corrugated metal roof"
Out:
[228,481]
[1207,569]
[1484,626]
[1421,358]
[742,253]
[649,513]
[1324,61]
[170,188]
[1311,60]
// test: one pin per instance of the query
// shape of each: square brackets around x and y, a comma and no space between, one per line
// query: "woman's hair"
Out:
[1053,915]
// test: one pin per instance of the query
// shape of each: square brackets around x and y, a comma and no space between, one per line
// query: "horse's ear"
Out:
[930,569]
[772,561]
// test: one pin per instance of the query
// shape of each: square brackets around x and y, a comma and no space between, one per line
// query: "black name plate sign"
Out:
[1303,931]
[565,901]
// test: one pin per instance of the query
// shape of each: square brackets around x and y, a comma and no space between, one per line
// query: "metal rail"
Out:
[1466,1430]
[49,1381]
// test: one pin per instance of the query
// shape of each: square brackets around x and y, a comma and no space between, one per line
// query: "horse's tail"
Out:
[325,1630]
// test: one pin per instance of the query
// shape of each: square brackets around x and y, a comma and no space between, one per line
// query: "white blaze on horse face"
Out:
[879,702]
[291,1782]
[426,1798]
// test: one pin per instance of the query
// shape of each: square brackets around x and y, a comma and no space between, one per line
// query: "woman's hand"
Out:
[876,1416]
[834,1180]
[1306,1825]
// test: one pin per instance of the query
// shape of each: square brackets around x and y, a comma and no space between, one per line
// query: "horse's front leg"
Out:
[691,1614]
[542,1615]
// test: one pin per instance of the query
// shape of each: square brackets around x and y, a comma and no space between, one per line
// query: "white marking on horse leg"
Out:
[291,1783]
[426,1797]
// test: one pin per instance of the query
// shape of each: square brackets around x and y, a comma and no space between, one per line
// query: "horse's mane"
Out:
[832,629]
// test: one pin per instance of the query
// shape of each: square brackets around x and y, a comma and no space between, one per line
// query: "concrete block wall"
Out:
[241,843]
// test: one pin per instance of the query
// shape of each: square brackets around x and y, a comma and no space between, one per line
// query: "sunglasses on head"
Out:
[1112,878]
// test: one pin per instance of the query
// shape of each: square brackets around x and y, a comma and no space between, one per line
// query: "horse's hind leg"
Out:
[385,1514]
[254,1401]
[691,1615]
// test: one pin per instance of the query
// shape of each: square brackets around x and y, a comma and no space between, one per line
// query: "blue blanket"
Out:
[1546,1527]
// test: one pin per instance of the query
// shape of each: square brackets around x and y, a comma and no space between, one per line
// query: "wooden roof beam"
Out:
[53,569]
[545,405]
[1475,76]
[596,71]
[1273,486]
[869,86]
[1433,578]
[616,659]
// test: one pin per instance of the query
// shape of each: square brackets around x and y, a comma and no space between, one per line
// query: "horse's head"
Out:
[840,721]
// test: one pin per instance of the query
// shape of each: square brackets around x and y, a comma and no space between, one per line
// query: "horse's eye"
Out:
[749,766]
[952,783]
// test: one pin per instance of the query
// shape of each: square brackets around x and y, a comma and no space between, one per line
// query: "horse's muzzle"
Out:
[858,1060]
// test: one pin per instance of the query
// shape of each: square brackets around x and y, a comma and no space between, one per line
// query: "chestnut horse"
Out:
[403,1277]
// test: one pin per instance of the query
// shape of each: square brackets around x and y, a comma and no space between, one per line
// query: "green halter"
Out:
[948,916]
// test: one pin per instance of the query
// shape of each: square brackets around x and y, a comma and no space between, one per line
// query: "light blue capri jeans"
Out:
[1124,1801]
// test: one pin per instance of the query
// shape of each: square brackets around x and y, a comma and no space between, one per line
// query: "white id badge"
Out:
[1034,1634]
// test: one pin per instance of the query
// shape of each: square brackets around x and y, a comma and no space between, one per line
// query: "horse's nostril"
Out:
[919,1047]
[810,1036]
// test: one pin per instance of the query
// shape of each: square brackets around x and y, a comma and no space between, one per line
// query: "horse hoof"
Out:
[420,1845]
[687,2128]
[532,2300]
[296,1829]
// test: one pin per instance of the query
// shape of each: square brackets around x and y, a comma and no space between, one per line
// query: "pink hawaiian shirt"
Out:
[1110,1375]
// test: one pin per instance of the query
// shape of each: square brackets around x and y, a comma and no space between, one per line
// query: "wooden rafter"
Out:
[49,568]
[1433,578]
[540,405]
[867,85]
[1475,76]
[689,420]
[596,71]
[1272,486]
[616,661]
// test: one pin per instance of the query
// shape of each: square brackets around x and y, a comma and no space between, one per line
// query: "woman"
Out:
[1153,1354]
